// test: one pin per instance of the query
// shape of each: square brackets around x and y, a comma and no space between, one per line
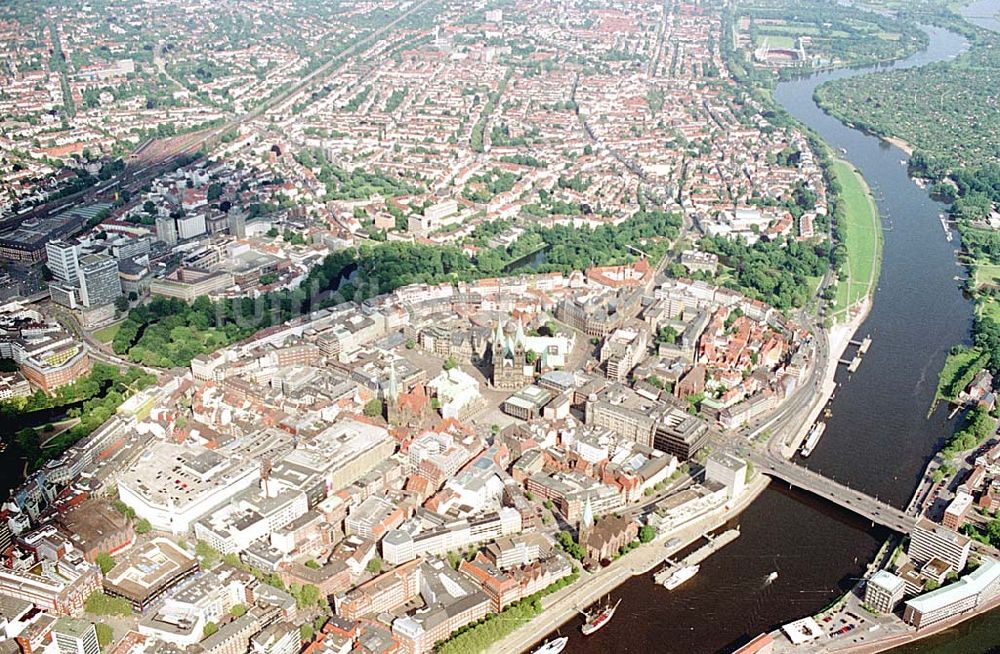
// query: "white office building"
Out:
[74,636]
[400,546]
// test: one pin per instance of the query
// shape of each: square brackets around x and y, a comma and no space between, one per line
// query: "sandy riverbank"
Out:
[563,606]
[899,143]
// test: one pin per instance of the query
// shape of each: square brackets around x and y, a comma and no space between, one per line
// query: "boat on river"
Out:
[553,646]
[599,619]
[681,576]
[813,438]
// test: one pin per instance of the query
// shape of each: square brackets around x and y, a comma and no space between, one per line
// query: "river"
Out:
[879,438]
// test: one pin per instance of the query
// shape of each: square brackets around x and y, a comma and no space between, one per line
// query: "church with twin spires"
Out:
[511,369]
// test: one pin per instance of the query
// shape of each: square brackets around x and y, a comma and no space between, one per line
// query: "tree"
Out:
[307,595]
[666,334]
[375,565]
[105,634]
[124,509]
[373,408]
[450,363]
[142,526]
[238,610]
[306,632]
[312,564]
[121,303]
[100,604]
[993,532]
[209,629]
[105,561]
[209,556]
[646,534]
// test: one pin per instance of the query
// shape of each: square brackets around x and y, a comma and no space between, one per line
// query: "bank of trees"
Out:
[775,272]
[979,425]
[167,332]
[102,391]
[478,636]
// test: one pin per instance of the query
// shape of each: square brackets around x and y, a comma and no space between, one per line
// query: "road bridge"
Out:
[864,505]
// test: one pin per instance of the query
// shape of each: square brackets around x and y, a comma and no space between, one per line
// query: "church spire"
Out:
[392,388]
[588,515]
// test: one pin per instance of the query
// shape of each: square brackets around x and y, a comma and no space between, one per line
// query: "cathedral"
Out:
[511,369]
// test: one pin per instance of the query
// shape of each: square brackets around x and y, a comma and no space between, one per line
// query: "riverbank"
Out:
[889,641]
[899,143]
[566,604]
[862,236]
[839,337]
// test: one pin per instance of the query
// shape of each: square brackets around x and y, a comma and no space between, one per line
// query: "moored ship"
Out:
[598,620]
[553,646]
[813,438]
[681,576]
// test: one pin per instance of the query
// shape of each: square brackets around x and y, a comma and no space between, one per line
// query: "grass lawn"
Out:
[814,283]
[987,273]
[789,28]
[863,237]
[107,334]
[989,308]
[775,41]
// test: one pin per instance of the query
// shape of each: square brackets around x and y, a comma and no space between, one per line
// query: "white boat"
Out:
[553,646]
[603,617]
[813,438]
[771,577]
[681,576]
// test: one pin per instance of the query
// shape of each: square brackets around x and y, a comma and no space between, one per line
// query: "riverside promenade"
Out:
[563,606]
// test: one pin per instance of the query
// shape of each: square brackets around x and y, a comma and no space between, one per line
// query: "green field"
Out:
[987,273]
[863,239]
[989,308]
[797,29]
[107,334]
[775,41]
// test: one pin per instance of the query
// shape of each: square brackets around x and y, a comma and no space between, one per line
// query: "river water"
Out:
[879,438]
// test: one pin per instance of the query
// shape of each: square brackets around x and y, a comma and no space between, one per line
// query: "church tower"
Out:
[586,522]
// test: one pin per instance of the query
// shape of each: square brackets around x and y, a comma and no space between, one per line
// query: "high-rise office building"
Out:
[64,261]
[99,281]
[74,636]
[191,226]
[237,224]
[166,230]
[929,540]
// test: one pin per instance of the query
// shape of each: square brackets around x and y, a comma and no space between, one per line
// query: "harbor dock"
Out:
[715,543]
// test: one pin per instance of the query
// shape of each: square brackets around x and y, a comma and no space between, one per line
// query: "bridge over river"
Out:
[860,503]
